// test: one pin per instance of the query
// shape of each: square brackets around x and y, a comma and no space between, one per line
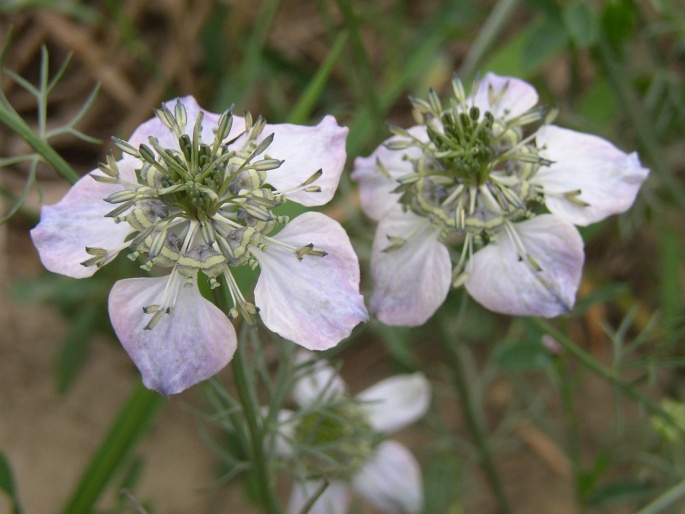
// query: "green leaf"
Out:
[131,423]
[598,104]
[7,484]
[439,479]
[519,356]
[523,55]
[581,24]
[302,110]
[75,346]
[545,41]
[620,492]
[618,21]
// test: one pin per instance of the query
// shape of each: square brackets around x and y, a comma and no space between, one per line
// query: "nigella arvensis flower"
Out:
[472,174]
[197,193]
[344,440]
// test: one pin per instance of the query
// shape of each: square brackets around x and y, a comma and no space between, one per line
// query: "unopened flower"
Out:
[342,440]
[472,176]
[198,193]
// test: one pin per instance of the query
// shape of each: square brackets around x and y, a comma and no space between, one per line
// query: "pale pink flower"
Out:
[472,176]
[383,471]
[196,191]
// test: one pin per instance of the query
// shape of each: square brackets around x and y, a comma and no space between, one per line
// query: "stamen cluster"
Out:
[474,175]
[198,207]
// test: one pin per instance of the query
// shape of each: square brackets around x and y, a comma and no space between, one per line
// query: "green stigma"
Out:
[334,441]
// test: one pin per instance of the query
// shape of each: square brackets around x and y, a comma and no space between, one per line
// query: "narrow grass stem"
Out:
[363,63]
[674,494]
[606,373]
[251,410]
[41,146]
[474,421]
[488,34]
[248,401]
[641,123]
[574,445]
[133,420]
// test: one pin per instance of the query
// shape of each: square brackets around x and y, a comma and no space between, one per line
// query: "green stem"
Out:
[248,401]
[567,398]
[39,145]
[474,421]
[251,411]
[490,31]
[606,373]
[363,64]
[131,423]
[641,123]
[665,500]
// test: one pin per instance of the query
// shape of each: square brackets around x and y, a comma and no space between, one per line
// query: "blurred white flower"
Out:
[196,192]
[469,175]
[344,442]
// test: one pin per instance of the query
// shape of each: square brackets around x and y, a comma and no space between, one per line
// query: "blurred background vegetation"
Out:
[564,439]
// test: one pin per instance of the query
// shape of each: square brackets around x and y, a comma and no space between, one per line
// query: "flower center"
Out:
[197,206]
[473,175]
[334,441]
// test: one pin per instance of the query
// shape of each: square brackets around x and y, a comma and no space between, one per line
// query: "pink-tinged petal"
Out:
[306,150]
[334,500]
[375,187]
[75,222]
[410,282]
[501,281]
[314,302]
[512,97]
[320,382]
[155,128]
[396,402]
[607,178]
[391,480]
[185,347]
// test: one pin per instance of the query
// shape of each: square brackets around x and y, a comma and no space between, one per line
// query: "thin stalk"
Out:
[248,401]
[574,446]
[251,411]
[41,146]
[474,421]
[363,63]
[131,423]
[606,373]
[488,34]
[674,494]
[311,94]
[641,123]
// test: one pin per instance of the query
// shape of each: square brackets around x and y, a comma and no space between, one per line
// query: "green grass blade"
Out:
[131,423]
[305,105]
[7,484]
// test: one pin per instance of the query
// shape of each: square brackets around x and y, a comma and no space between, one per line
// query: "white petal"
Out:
[607,178]
[76,221]
[411,282]
[396,402]
[375,187]
[306,150]
[502,282]
[188,346]
[512,96]
[319,382]
[334,500]
[391,479]
[314,302]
